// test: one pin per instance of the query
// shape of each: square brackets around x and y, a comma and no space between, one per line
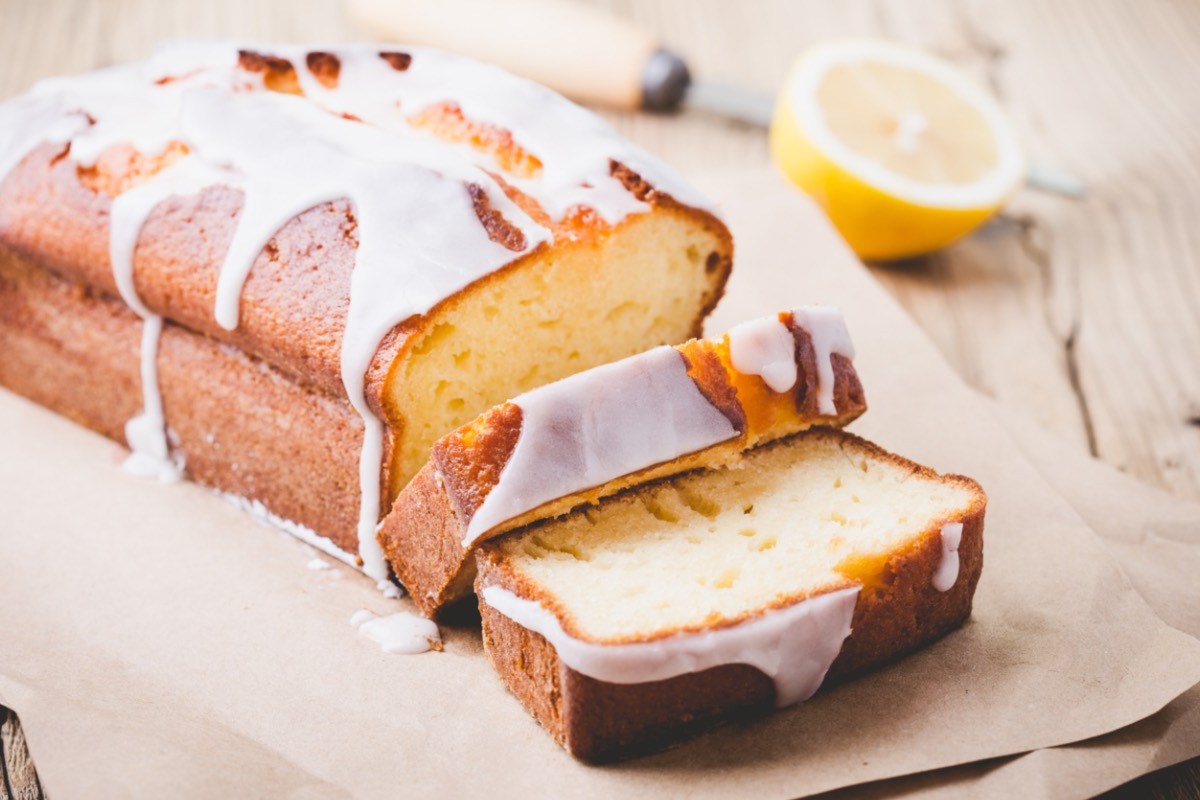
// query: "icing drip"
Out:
[150,453]
[420,238]
[794,646]
[307,535]
[947,571]
[402,633]
[146,434]
[597,425]
[827,329]
[764,347]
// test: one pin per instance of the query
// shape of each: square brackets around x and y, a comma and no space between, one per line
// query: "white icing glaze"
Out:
[597,425]
[420,239]
[400,633]
[573,145]
[146,433]
[318,564]
[125,104]
[30,120]
[947,571]
[827,329]
[764,347]
[794,646]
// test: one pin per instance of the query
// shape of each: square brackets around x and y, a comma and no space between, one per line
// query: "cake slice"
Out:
[662,611]
[659,413]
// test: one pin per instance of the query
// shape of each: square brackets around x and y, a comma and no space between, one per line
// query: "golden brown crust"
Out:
[896,613]
[426,550]
[903,611]
[705,368]
[448,121]
[442,496]
[470,459]
[806,386]
[413,549]
[396,60]
[638,186]
[245,427]
[325,67]
[279,74]
[499,229]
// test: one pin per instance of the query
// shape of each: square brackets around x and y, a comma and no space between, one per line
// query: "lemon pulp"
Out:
[904,153]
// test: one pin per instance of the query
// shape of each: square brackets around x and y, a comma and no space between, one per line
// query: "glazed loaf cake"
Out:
[664,610]
[397,237]
[659,413]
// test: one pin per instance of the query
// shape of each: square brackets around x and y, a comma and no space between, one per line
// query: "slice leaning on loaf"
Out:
[659,413]
[662,611]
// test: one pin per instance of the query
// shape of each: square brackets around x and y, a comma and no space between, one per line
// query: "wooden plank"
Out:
[1174,783]
[19,777]
[1110,95]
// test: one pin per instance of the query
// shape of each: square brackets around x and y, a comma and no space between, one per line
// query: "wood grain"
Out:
[1084,314]
[18,778]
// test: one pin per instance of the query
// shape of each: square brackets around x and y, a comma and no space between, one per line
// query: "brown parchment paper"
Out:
[156,641]
[1156,538]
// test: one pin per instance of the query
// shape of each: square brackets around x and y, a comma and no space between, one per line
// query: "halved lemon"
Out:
[903,151]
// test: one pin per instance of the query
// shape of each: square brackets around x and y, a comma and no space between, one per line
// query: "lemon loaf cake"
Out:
[666,609]
[402,236]
[658,413]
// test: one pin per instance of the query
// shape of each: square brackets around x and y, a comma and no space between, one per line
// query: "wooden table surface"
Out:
[1085,314]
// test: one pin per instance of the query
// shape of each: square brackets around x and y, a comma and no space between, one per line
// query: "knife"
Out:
[588,55]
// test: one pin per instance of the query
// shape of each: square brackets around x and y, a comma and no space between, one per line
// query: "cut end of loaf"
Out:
[649,281]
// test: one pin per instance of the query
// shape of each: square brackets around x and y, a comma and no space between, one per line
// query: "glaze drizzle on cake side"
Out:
[452,170]
[794,646]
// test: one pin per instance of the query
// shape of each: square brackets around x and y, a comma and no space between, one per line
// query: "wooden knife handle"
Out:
[582,52]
